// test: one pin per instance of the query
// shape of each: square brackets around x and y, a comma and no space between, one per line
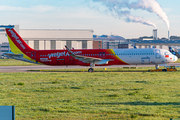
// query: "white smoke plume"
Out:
[134,19]
[137,19]
[116,6]
[151,6]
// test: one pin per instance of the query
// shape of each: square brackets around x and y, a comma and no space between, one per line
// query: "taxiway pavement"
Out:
[45,67]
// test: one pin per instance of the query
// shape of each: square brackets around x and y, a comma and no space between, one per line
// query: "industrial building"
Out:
[109,42]
[4,44]
[97,44]
[3,37]
[49,39]
[162,44]
[4,47]
[157,43]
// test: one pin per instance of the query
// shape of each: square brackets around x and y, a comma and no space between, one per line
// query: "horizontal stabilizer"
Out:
[18,57]
[10,54]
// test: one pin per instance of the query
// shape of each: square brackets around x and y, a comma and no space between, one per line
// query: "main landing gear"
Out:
[90,70]
[91,67]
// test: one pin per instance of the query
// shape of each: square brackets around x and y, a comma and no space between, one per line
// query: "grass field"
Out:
[112,95]
[12,62]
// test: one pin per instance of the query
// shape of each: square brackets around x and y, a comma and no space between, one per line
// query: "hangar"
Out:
[47,39]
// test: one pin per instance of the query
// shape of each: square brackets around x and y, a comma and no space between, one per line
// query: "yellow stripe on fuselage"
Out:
[116,55]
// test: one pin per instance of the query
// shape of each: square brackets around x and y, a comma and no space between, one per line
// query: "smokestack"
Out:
[168,35]
[155,34]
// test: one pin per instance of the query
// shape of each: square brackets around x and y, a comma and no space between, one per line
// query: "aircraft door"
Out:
[33,55]
[158,54]
[102,54]
[145,60]
[60,62]
[71,59]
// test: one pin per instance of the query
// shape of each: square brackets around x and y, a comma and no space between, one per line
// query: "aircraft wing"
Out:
[86,59]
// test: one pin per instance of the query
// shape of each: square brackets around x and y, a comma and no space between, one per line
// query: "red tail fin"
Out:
[16,42]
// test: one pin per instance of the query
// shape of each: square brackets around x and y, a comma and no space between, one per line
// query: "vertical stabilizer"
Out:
[17,44]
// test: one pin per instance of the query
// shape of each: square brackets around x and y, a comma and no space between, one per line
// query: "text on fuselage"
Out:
[17,39]
[59,54]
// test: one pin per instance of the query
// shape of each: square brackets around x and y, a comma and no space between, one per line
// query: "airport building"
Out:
[110,42]
[47,39]
[162,44]
[114,42]
[4,47]
[52,39]
[97,44]
[4,44]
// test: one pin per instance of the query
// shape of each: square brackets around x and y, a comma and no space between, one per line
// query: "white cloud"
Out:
[44,8]
[10,8]
[39,8]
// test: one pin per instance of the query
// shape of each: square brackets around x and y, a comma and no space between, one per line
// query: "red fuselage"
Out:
[62,57]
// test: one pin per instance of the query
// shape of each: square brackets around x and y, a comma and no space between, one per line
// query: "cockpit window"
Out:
[167,53]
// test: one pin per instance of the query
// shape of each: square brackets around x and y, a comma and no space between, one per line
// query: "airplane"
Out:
[85,57]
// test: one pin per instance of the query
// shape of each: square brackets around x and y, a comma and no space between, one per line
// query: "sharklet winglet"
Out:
[69,51]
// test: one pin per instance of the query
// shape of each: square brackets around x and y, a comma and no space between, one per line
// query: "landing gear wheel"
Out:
[90,70]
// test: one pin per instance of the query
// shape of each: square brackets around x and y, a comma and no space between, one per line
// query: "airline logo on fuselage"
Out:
[17,39]
[59,54]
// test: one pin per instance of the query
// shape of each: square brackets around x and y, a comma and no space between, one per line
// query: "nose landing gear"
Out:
[157,66]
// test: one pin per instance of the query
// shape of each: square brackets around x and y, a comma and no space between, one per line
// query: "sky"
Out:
[87,14]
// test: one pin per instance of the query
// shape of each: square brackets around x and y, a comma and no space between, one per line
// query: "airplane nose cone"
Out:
[175,58]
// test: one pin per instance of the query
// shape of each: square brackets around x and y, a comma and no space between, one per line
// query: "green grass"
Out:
[178,61]
[102,95]
[12,62]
